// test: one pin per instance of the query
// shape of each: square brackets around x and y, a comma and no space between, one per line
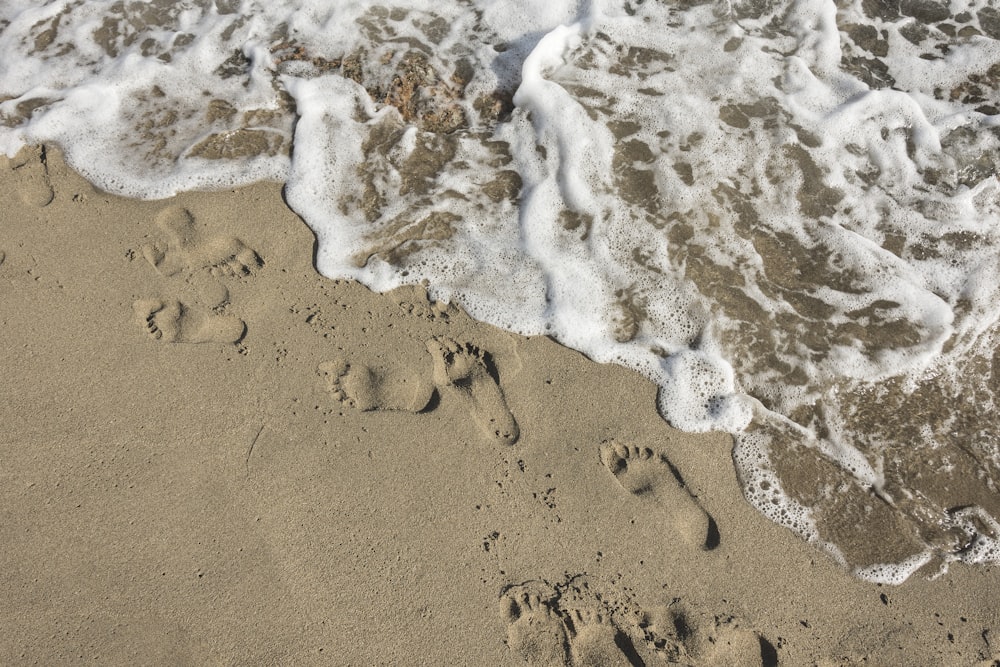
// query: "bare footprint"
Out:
[31,173]
[726,642]
[595,641]
[681,636]
[646,474]
[367,388]
[171,321]
[189,249]
[534,630]
[461,368]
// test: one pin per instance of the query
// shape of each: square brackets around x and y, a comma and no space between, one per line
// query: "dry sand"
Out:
[213,455]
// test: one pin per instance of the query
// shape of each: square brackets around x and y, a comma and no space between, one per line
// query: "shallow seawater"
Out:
[785,213]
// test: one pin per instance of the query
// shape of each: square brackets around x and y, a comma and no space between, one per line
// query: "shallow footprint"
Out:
[729,643]
[171,321]
[461,368]
[646,474]
[682,636]
[189,249]
[367,388]
[31,174]
[595,642]
[534,630]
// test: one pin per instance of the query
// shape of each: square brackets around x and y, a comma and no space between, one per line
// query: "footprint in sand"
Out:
[188,248]
[735,646]
[646,474]
[684,637]
[461,369]
[31,173]
[543,633]
[534,629]
[367,388]
[595,641]
[171,321]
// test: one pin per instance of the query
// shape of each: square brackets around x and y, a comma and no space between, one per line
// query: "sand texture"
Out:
[213,455]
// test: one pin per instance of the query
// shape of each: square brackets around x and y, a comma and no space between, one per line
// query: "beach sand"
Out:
[213,455]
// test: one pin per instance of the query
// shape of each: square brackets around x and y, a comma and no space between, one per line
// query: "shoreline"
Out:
[214,454]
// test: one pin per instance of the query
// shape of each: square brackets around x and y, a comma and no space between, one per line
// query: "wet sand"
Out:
[213,455]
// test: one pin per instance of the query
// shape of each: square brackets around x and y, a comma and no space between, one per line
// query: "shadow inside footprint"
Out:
[170,321]
[464,370]
[649,475]
[367,388]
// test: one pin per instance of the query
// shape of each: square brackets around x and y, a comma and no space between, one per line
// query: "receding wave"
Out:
[785,213]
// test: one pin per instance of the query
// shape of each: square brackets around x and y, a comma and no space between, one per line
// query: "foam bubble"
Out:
[893,574]
[763,489]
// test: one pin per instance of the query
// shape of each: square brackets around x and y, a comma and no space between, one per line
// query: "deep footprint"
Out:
[189,249]
[646,474]
[461,369]
[31,174]
[367,388]
[534,630]
[171,321]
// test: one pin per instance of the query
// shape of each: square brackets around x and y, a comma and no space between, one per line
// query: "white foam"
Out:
[763,489]
[893,574]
